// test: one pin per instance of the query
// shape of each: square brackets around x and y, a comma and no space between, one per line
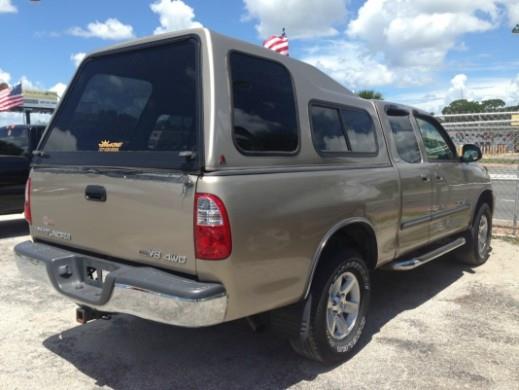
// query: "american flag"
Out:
[10,98]
[278,43]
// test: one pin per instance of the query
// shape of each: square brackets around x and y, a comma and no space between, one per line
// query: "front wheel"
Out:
[340,300]
[477,249]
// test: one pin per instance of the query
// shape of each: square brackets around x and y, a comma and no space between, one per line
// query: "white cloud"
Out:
[458,89]
[308,19]
[77,58]
[514,89]
[420,32]
[174,15]
[18,118]
[462,87]
[512,7]
[4,76]
[347,63]
[11,118]
[402,42]
[26,83]
[110,29]
[6,6]
[351,64]
[59,88]
[483,89]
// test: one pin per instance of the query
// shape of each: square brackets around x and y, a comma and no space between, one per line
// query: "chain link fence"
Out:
[497,134]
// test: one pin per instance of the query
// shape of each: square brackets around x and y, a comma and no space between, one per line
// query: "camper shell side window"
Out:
[342,130]
[264,114]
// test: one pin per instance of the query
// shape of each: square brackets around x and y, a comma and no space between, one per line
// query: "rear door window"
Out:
[139,107]
[264,110]
[405,139]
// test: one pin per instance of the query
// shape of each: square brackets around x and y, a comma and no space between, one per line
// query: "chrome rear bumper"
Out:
[114,287]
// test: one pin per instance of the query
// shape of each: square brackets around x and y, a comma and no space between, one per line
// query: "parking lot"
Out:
[441,326]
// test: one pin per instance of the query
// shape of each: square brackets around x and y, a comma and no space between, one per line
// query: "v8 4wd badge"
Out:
[158,255]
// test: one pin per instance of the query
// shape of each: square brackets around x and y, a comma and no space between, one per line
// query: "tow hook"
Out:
[86,314]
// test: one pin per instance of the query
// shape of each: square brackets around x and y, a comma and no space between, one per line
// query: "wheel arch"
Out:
[352,232]
[487,196]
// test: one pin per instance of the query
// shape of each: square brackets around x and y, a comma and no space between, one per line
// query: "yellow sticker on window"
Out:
[107,146]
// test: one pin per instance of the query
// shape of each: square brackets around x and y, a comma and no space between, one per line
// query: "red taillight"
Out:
[212,228]
[27,203]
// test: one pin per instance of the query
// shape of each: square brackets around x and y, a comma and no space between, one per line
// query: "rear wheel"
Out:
[477,249]
[340,299]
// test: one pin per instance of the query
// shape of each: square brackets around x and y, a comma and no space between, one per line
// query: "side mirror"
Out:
[471,153]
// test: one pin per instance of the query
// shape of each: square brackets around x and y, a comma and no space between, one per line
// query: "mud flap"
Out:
[292,322]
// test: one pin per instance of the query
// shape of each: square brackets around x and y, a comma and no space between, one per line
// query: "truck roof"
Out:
[223,43]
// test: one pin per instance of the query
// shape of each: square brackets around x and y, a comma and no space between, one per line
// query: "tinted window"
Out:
[141,104]
[264,113]
[405,139]
[327,130]
[14,140]
[360,131]
[436,144]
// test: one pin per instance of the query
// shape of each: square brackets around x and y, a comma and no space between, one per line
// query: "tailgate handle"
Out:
[95,193]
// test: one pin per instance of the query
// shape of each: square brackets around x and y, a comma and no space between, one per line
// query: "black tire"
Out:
[319,344]
[470,253]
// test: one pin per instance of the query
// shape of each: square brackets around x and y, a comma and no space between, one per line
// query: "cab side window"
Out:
[264,111]
[405,139]
[437,145]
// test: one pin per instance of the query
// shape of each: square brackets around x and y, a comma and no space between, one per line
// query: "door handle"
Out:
[95,193]
[425,178]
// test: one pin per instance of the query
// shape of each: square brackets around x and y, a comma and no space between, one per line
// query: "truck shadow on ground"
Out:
[130,353]
[13,228]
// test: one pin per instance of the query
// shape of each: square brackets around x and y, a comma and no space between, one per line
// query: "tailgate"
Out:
[146,218]
[116,170]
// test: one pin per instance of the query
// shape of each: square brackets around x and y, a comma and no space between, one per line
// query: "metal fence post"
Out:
[516,202]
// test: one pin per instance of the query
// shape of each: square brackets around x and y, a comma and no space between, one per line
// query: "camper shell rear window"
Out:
[138,107]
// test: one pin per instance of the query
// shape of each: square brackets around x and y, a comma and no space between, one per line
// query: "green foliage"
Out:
[370,94]
[464,106]
[492,104]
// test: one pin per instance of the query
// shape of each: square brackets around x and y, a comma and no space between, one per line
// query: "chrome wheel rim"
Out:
[483,235]
[343,305]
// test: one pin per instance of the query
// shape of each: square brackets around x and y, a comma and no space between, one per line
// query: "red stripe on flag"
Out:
[277,44]
[11,102]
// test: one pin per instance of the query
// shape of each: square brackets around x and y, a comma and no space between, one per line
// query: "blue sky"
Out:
[418,52]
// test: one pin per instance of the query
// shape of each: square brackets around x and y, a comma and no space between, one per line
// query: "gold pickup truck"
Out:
[193,179]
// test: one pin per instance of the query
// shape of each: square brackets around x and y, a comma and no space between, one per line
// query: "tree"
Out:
[492,105]
[370,94]
[462,106]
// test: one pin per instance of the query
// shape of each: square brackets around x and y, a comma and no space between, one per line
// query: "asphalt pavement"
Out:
[442,326]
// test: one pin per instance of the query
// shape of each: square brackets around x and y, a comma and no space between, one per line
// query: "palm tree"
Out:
[370,94]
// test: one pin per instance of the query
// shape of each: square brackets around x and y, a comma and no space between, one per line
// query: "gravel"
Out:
[441,326]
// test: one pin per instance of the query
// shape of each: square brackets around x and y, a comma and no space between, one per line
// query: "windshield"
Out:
[137,108]
[14,140]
